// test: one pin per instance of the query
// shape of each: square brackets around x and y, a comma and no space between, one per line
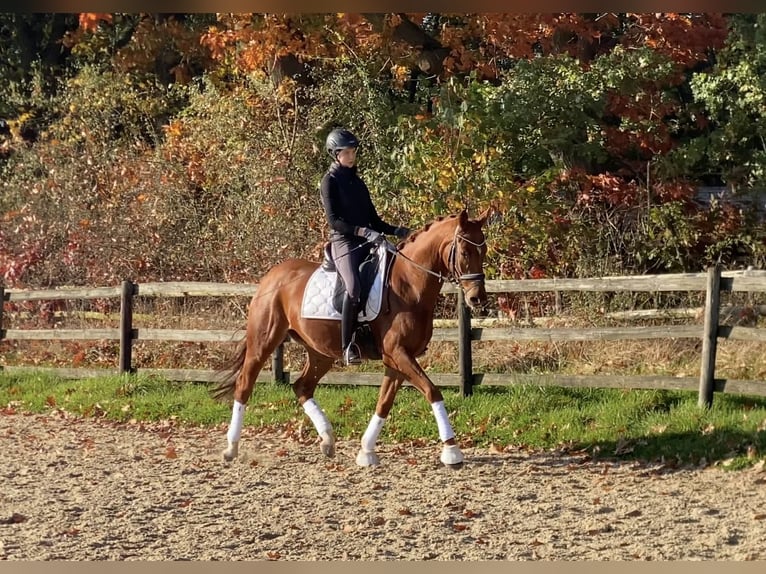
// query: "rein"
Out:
[455,276]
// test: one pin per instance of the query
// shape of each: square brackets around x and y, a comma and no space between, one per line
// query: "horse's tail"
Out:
[224,390]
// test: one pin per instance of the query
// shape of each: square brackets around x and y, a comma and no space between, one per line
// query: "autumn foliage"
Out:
[190,146]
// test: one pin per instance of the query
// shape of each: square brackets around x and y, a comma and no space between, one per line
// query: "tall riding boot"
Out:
[351,354]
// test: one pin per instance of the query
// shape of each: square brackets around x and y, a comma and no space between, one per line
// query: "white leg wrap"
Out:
[235,428]
[370,436]
[317,416]
[445,428]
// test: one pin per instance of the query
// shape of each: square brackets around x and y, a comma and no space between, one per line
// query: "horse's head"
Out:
[466,258]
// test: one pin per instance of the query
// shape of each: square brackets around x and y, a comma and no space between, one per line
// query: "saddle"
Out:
[367,271]
[324,292]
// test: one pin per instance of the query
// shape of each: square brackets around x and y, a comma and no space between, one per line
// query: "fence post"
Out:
[126,326]
[710,336]
[464,345]
[2,304]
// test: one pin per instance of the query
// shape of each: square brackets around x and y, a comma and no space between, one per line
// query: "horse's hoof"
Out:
[327,446]
[451,456]
[230,453]
[457,466]
[367,458]
[328,449]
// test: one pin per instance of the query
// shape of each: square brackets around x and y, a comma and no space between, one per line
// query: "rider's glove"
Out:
[402,231]
[370,235]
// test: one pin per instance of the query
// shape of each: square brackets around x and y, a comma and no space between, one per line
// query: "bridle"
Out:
[455,275]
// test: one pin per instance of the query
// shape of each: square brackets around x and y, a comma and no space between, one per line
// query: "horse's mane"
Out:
[413,236]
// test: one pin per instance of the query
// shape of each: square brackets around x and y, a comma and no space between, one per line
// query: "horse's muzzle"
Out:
[475,296]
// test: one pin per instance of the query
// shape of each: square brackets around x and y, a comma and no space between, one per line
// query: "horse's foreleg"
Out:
[366,456]
[315,368]
[451,454]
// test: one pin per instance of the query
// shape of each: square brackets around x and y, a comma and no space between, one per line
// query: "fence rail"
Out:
[713,283]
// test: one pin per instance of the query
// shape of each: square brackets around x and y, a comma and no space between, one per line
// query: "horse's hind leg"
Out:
[315,368]
[261,340]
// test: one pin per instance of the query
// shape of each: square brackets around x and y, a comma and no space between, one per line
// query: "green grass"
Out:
[646,425]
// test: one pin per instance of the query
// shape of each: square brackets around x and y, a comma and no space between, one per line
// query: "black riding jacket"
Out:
[347,203]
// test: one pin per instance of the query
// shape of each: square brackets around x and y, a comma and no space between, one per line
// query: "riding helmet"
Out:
[338,139]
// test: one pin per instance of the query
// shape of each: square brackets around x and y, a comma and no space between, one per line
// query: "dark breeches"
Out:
[348,254]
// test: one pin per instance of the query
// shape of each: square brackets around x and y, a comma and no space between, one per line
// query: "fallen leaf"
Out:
[495,449]
[281,452]
[458,527]
[760,517]
[171,452]
[271,555]
[405,512]
[378,521]
[468,513]
[15,518]
[634,513]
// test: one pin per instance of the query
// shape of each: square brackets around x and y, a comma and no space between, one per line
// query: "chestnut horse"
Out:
[451,248]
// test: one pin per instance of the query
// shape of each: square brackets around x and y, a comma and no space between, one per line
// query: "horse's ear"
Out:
[489,212]
[463,218]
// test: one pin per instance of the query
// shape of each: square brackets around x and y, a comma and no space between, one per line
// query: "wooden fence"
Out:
[713,283]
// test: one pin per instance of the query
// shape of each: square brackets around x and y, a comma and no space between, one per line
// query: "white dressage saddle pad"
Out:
[317,297]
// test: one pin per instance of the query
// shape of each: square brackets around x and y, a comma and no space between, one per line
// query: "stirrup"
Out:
[352,356]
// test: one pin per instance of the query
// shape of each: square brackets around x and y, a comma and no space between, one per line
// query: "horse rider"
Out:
[353,222]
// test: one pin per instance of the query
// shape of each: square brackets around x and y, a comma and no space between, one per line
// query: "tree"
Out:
[31,58]
[732,99]
[205,134]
